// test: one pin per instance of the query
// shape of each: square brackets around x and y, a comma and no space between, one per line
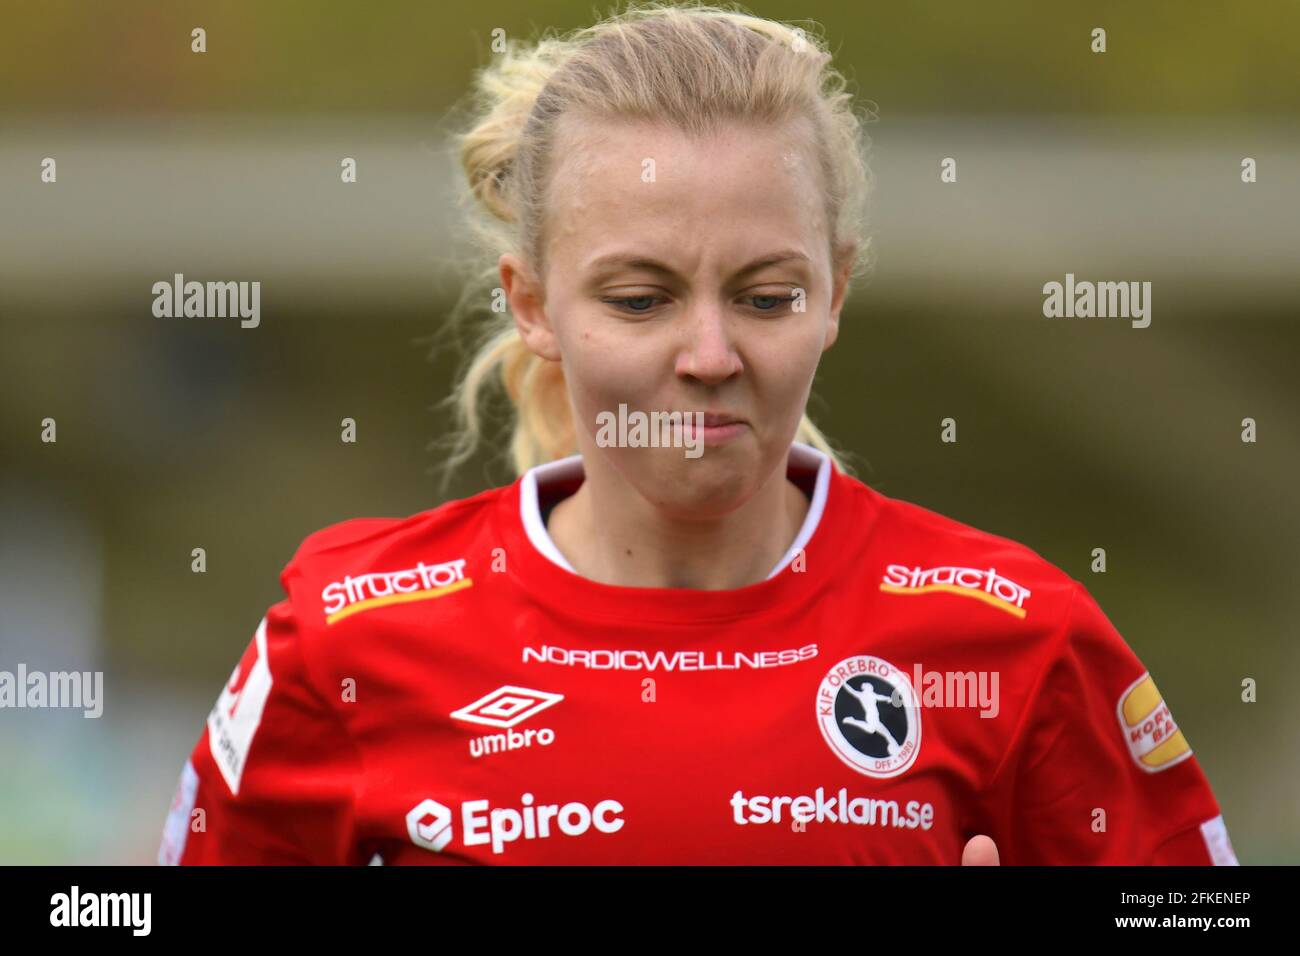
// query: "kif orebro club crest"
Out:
[869,714]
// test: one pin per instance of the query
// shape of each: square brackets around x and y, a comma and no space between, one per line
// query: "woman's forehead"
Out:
[590,146]
[644,180]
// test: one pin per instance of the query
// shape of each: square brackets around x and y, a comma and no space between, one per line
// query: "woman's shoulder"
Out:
[348,567]
[363,533]
[933,547]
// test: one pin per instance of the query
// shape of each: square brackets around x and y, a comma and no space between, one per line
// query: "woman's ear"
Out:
[526,302]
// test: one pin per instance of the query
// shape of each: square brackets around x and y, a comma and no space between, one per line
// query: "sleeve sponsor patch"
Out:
[1149,729]
[177,827]
[1217,843]
[238,711]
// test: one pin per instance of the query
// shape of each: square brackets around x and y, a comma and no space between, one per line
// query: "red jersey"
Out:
[442,689]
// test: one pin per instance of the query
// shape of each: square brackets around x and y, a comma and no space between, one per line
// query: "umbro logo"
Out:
[504,708]
[507,706]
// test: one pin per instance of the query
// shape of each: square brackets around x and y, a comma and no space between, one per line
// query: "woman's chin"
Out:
[710,486]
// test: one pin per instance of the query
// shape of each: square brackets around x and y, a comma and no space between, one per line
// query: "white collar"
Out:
[567,468]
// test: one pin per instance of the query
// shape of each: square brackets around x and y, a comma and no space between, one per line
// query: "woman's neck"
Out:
[631,543]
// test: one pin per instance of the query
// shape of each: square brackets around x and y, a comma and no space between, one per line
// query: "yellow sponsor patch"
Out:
[1149,729]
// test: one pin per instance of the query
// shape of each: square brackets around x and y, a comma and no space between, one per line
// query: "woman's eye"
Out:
[770,303]
[640,304]
[634,303]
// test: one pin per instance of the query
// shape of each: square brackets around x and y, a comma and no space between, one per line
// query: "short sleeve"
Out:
[1099,772]
[272,777]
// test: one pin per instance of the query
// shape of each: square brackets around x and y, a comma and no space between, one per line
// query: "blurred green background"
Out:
[1073,434]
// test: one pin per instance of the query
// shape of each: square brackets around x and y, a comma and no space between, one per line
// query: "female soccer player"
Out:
[684,633]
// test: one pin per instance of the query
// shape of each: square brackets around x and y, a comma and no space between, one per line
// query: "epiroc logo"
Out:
[983,584]
[430,823]
[505,707]
[366,591]
[1153,738]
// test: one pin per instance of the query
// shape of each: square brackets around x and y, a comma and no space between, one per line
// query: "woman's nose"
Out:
[708,352]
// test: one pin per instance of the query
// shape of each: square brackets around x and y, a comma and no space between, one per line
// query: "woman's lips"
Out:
[716,430]
[720,418]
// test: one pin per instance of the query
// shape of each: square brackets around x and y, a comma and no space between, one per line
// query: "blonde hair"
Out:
[690,66]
